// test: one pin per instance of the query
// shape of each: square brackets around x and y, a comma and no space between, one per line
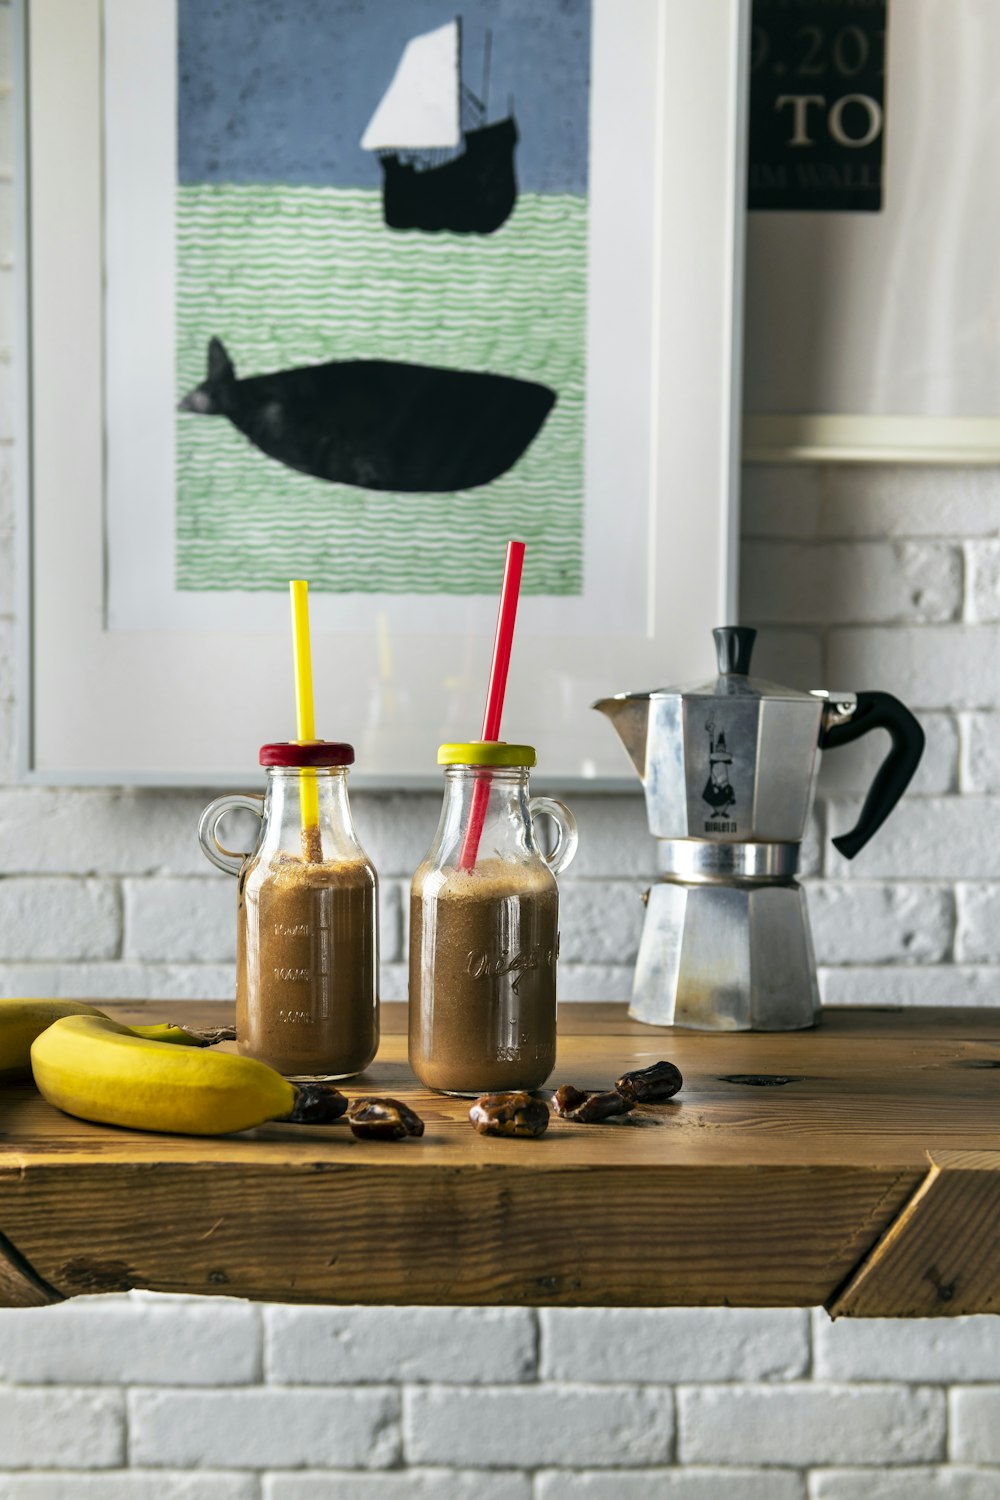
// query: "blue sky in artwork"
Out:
[281,90]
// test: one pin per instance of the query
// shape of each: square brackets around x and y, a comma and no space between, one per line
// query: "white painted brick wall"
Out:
[190,920]
[981,752]
[836,583]
[881,924]
[952,1483]
[936,1350]
[413,1484]
[859,577]
[572,1426]
[671,1345]
[59,918]
[129,1484]
[350,1345]
[123,1340]
[975,1425]
[672,1484]
[929,666]
[983,575]
[53,1429]
[937,984]
[809,1424]
[259,1429]
[977,939]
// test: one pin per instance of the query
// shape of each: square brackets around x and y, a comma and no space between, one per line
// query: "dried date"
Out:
[567,1098]
[382,1119]
[510,1114]
[648,1085]
[587,1107]
[317,1104]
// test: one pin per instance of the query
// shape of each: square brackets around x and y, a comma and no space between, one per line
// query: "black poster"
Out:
[817,104]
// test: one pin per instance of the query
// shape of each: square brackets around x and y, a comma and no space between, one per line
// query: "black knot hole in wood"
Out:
[761,1080]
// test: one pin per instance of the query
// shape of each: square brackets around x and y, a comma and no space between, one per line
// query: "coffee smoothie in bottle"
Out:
[307,919]
[484,929]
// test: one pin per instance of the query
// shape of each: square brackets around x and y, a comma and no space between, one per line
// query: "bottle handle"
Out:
[568,835]
[223,858]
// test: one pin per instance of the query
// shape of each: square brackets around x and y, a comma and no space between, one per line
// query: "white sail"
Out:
[420,109]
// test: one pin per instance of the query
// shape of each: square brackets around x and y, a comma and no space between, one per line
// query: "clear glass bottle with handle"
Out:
[307,917]
[484,928]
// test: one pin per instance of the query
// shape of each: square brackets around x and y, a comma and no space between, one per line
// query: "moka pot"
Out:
[729,769]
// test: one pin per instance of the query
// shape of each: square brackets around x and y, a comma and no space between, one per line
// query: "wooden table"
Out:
[856,1166]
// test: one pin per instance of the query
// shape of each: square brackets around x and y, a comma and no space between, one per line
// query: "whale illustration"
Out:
[379,424]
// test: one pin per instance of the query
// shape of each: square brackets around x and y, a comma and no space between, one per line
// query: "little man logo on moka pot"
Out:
[718,791]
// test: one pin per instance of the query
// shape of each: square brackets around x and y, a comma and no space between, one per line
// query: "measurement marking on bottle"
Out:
[292,976]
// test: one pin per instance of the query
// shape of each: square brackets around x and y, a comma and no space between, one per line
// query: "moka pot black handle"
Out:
[878,711]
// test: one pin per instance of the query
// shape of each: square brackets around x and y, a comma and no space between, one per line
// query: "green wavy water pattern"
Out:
[291,276]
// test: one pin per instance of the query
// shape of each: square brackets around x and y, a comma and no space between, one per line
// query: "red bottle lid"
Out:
[307,753]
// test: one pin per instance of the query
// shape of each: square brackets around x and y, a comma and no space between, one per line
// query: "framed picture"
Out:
[354,292]
[873,335]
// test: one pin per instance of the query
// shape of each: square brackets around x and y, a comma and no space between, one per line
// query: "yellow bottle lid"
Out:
[486,753]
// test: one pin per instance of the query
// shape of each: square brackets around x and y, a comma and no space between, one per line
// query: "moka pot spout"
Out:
[629,713]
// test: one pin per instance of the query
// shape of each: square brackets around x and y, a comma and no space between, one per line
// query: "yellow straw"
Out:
[305,722]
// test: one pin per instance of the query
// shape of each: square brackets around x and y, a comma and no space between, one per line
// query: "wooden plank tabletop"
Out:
[856,1166]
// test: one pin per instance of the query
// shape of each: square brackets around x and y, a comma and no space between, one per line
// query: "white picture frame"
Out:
[173,706]
[871,337]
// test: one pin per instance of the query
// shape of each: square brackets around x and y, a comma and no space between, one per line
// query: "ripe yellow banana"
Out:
[22,1020]
[94,1068]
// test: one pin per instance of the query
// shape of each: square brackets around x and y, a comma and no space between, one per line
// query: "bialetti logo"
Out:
[719,793]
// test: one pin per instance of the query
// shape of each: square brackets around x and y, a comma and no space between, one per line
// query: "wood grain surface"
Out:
[941,1255]
[852,1165]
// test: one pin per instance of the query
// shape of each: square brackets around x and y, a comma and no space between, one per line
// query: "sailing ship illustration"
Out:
[379,424]
[439,172]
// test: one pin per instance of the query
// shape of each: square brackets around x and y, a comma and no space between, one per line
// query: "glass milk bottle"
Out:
[306,919]
[484,928]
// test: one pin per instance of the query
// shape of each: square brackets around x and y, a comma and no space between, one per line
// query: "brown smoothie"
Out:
[483,949]
[306,966]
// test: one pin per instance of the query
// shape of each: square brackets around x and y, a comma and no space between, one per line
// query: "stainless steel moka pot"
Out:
[729,770]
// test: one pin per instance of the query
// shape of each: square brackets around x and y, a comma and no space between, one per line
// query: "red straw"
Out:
[502,643]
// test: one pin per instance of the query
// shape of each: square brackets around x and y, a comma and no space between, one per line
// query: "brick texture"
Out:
[674,1344]
[809,1424]
[981,752]
[834,583]
[123,1340]
[575,1425]
[129,1484]
[672,1484]
[975,1431]
[854,923]
[60,1428]
[929,1349]
[264,1428]
[59,918]
[952,1483]
[413,1484]
[351,1345]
